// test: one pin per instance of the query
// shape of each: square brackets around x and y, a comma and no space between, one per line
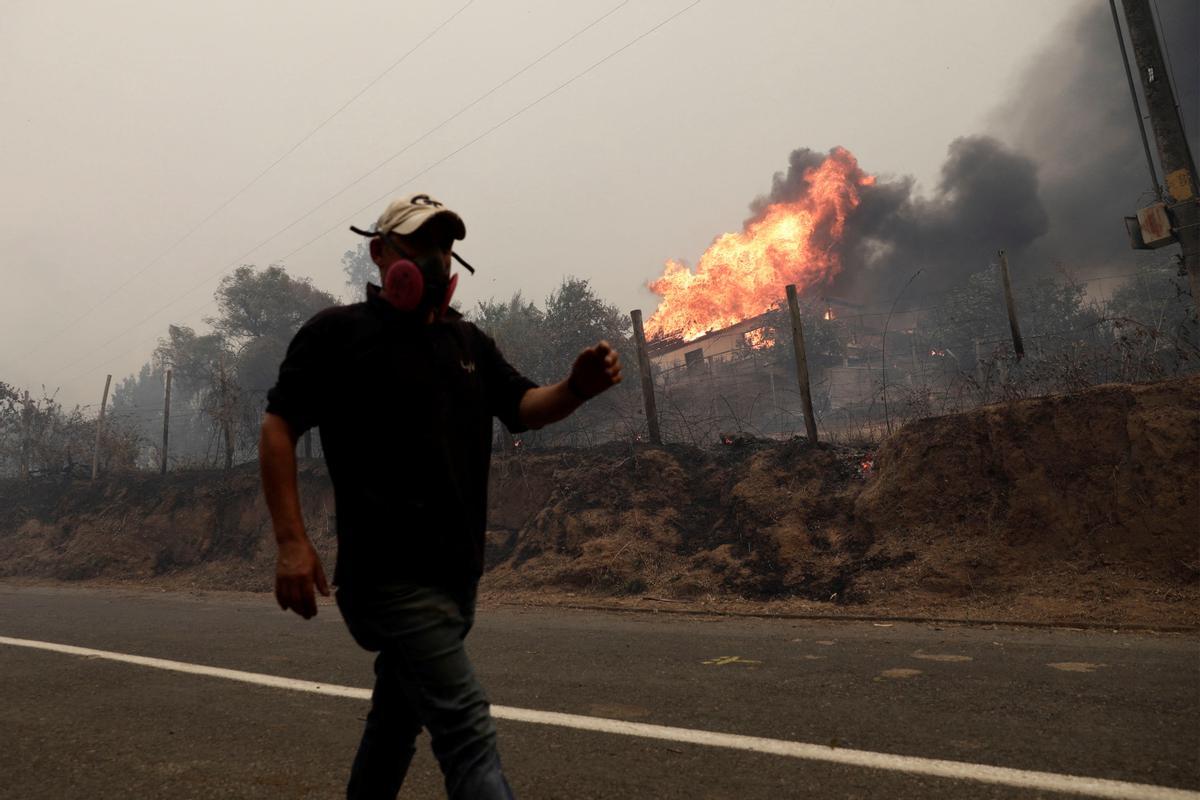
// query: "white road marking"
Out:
[934,767]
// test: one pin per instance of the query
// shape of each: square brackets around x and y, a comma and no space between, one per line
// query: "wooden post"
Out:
[226,414]
[100,429]
[810,420]
[166,422]
[26,445]
[639,334]
[308,443]
[978,363]
[1018,345]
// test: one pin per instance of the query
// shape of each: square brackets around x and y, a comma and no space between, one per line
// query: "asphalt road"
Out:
[1120,706]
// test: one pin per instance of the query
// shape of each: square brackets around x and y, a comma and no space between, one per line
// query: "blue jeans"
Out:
[423,679]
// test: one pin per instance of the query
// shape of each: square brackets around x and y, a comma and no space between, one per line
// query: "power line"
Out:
[494,128]
[253,181]
[374,202]
[446,121]
[292,224]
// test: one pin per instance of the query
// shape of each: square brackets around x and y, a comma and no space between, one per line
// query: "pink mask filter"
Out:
[404,285]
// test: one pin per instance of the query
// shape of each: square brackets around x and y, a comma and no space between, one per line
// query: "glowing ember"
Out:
[867,466]
[743,274]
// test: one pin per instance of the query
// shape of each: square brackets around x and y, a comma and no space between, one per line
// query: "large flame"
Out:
[742,275]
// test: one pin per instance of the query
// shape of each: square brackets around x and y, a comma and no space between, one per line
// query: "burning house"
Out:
[724,310]
[675,358]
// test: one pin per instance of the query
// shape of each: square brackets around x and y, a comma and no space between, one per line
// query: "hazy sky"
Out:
[125,124]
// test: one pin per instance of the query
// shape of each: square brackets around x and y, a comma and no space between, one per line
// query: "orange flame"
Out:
[743,274]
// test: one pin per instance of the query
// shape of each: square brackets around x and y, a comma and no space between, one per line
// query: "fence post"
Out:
[26,445]
[639,335]
[810,421]
[308,443]
[1018,345]
[226,414]
[100,429]
[166,422]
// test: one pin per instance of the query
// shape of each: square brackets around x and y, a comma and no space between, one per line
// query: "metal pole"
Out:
[1013,325]
[100,429]
[1174,154]
[639,334]
[166,422]
[1137,108]
[810,420]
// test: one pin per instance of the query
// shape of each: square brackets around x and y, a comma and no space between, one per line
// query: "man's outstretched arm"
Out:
[298,568]
[595,370]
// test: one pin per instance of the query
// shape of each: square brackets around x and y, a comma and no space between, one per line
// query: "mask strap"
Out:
[373,234]
[462,261]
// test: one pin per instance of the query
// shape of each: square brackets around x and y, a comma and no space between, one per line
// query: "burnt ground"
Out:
[1081,508]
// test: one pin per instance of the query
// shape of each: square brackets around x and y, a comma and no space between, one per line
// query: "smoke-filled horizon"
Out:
[1049,181]
[649,141]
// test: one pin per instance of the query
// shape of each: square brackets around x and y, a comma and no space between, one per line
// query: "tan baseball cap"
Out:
[406,215]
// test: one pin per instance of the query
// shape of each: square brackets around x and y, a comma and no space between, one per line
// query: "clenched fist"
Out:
[596,369]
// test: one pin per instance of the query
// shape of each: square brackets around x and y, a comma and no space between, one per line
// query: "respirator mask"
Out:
[416,285]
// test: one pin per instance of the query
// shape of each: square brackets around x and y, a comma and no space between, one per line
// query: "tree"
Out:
[138,401]
[38,437]
[1049,307]
[359,269]
[193,357]
[259,312]
[516,325]
[576,318]
[1153,313]
[265,303]
[1157,297]
[201,365]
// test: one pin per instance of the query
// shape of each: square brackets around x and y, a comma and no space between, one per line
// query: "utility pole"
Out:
[1137,110]
[1179,170]
[100,429]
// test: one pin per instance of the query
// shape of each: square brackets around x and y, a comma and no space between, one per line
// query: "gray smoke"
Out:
[1060,167]
[1072,114]
[987,198]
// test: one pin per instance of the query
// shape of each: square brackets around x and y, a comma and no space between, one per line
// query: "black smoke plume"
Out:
[1051,180]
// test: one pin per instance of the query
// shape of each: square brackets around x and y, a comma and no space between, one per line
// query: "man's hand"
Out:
[296,571]
[596,370]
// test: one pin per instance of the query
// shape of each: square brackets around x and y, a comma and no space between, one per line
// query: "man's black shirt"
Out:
[405,415]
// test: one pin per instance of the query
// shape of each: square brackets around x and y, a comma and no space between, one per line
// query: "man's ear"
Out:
[377,252]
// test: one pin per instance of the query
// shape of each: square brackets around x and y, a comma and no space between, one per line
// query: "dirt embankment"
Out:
[1083,507]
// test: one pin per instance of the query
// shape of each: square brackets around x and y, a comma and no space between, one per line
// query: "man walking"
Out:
[404,391]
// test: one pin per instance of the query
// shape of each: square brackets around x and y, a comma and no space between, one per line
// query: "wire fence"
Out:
[871,370]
